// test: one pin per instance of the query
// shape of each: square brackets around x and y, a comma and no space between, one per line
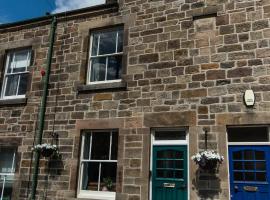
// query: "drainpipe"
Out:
[43,108]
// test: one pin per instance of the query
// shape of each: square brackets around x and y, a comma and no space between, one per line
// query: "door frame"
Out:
[168,143]
[242,144]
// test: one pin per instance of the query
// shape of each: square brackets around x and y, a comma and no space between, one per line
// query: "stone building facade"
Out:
[176,80]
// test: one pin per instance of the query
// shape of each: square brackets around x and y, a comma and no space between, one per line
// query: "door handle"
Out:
[169,185]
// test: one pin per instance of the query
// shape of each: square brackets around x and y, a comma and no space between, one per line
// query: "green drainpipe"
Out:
[43,108]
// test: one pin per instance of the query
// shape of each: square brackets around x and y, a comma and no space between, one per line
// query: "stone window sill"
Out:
[10,102]
[101,87]
[96,195]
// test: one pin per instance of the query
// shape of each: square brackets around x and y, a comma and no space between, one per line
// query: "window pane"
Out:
[259,155]
[107,43]
[11,85]
[6,160]
[179,154]
[23,84]
[260,166]
[7,187]
[237,155]
[237,165]
[11,55]
[248,155]
[170,135]
[249,165]
[179,164]
[108,177]
[250,176]
[94,45]
[114,67]
[165,173]
[98,69]
[20,61]
[100,146]
[261,176]
[86,149]
[114,146]
[248,134]
[7,163]
[165,163]
[238,176]
[120,41]
[179,174]
[90,174]
[166,154]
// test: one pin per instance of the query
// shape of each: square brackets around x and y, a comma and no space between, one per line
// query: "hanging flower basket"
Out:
[46,150]
[208,159]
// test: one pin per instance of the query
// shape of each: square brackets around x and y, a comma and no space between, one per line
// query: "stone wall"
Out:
[187,64]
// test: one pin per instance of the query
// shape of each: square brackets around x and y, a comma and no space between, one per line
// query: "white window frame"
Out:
[249,143]
[100,195]
[169,142]
[8,174]
[6,74]
[117,28]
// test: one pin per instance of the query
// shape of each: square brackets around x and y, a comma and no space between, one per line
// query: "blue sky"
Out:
[17,10]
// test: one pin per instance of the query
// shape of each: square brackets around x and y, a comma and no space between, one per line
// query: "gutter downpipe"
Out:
[43,108]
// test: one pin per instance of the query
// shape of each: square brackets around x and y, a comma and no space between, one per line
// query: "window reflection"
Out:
[106,55]
[99,164]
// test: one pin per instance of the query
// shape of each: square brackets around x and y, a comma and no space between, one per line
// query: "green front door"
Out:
[169,175]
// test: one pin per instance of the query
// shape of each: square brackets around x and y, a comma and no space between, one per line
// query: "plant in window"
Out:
[207,159]
[108,184]
[46,150]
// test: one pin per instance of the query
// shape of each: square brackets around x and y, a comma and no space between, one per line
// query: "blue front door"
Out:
[249,172]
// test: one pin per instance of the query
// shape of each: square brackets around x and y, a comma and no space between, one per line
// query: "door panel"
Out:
[169,177]
[249,172]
